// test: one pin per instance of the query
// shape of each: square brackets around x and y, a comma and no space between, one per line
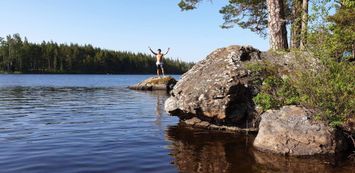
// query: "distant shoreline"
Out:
[55,58]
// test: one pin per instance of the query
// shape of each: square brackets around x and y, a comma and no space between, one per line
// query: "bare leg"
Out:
[158,73]
[162,71]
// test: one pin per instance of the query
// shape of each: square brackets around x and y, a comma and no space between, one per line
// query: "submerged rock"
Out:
[155,83]
[217,90]
[292,131]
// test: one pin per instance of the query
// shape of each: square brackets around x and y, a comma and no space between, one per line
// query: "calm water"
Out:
[92,123]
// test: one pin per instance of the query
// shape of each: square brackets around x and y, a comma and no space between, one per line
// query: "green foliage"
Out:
[265,101]
[348,3]
[250,15]
[188,4]
[17,55]
[246,14]
[342,31]
[330,90]
[320,10]
[334,36]
[275,90]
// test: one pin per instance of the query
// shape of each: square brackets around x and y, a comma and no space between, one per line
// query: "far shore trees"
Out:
[19,55]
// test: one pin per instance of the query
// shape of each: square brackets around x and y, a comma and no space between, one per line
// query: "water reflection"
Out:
[83,129]
[275,163]
[197,150]
[160,97]
[159,109]
[113,129]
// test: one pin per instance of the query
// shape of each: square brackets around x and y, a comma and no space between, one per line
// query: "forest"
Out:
[18,55]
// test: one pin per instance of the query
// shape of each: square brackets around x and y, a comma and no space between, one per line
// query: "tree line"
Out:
[20,55]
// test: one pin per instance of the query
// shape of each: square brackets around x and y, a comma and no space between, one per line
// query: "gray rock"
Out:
[218,89]
[171,104]
[291,131]
[155,83]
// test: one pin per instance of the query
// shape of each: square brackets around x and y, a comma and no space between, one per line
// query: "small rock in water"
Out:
[155,83]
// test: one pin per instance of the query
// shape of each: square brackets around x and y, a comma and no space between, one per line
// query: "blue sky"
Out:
[130,25]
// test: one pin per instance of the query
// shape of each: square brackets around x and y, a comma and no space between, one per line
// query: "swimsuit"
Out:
[159,64]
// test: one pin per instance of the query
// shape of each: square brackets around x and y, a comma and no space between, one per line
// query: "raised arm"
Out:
[152,51]
[167,51]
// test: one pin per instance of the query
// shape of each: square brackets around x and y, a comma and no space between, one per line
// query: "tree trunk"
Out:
[61,64]
[49,64]
[55,63]
[277,25]
[296,24]
[304,24]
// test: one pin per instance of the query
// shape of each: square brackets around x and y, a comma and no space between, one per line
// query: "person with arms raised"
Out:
[159,60]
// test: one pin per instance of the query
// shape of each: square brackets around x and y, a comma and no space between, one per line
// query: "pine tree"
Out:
[260,15]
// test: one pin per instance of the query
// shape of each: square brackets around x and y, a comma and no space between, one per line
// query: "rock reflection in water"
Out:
[198,150]
[275,163]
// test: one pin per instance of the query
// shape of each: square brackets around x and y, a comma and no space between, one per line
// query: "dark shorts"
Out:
[159,65]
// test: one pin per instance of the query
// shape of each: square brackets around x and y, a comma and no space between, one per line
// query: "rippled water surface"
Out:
[93,123]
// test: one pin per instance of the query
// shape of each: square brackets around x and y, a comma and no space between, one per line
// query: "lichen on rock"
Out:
[218,89]
[291,130]
[219,93]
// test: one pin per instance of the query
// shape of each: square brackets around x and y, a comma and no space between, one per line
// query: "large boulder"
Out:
[218,90]
[292,131]
[155,83]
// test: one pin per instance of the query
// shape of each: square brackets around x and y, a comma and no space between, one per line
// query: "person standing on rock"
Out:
[160,57]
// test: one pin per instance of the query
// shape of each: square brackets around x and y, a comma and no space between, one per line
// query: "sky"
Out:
[125,25]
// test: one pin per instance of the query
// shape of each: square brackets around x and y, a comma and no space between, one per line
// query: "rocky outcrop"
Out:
[155,83]
[291,131]
[217,93]
[218,90]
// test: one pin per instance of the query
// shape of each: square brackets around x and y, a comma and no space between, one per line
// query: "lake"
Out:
[93,123]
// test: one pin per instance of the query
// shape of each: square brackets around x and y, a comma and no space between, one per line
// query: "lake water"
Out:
[93,123]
